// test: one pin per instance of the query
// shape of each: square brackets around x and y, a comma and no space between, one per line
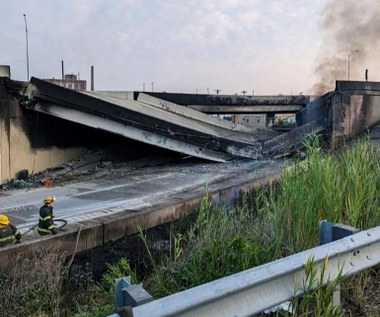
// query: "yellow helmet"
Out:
[4,220]
[49,199]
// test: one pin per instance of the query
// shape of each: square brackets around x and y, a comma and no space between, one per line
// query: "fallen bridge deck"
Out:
[192,135]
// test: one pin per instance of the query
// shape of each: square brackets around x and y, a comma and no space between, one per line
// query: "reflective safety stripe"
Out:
[43,229]
[6,239]
[17,232]
[45,218]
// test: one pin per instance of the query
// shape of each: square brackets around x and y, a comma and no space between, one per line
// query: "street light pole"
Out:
[348,62]
[27,48]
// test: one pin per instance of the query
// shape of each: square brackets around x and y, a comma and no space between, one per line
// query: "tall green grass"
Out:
[340,189]
[317,293]
[221,241]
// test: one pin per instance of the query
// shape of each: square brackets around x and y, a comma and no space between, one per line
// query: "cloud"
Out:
[181,46]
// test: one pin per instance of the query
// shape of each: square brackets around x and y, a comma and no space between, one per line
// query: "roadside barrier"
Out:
[253,291]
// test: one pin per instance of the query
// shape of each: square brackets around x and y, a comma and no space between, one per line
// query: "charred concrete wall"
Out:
[355,107]
[20,148]
[352,115]
[352,108]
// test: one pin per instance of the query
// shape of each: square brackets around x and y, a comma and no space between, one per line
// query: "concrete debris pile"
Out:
[95,164]
[84,165]
[21,183]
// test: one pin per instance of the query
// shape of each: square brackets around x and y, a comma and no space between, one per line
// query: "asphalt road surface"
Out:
[120,190]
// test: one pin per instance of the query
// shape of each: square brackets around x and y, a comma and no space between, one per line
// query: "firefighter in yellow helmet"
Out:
[45,222]
[8,231]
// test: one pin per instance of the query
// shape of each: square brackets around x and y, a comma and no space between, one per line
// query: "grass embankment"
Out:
[267,224]
[281,220]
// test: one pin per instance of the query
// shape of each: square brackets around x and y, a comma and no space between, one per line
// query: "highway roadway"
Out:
[131,192]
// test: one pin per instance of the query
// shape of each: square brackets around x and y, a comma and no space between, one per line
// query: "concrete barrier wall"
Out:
[348,111]
[352,115]
[364,112]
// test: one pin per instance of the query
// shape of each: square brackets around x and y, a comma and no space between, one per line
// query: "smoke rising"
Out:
[347,26]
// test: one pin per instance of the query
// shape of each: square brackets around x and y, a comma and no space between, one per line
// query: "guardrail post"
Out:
[325,232]
[128,296]
[121,285]
[329,232]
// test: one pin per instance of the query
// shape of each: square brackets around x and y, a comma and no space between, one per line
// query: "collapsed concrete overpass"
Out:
[150,120]
[147,118]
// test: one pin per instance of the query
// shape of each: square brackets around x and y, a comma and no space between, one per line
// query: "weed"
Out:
[317,293]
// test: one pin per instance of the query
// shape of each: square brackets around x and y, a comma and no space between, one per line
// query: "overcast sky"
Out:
[265,46]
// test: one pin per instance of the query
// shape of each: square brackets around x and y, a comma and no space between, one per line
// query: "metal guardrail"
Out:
[252,291]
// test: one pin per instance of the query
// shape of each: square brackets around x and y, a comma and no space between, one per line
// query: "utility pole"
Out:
[63,70]
[27,48]
[92,78]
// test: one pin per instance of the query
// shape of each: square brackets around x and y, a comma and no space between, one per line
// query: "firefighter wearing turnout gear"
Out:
[8,231]
[45,222]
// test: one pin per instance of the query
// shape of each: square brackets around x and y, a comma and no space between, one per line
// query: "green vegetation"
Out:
[220,242]
[341,190]
[102,302]
[264,225]
[317,298]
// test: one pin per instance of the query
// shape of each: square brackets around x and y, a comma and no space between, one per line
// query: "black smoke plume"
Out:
[350,43]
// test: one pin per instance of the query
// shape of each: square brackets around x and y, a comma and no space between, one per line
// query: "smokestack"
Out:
[63,71]
[5,71]
[92,78]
